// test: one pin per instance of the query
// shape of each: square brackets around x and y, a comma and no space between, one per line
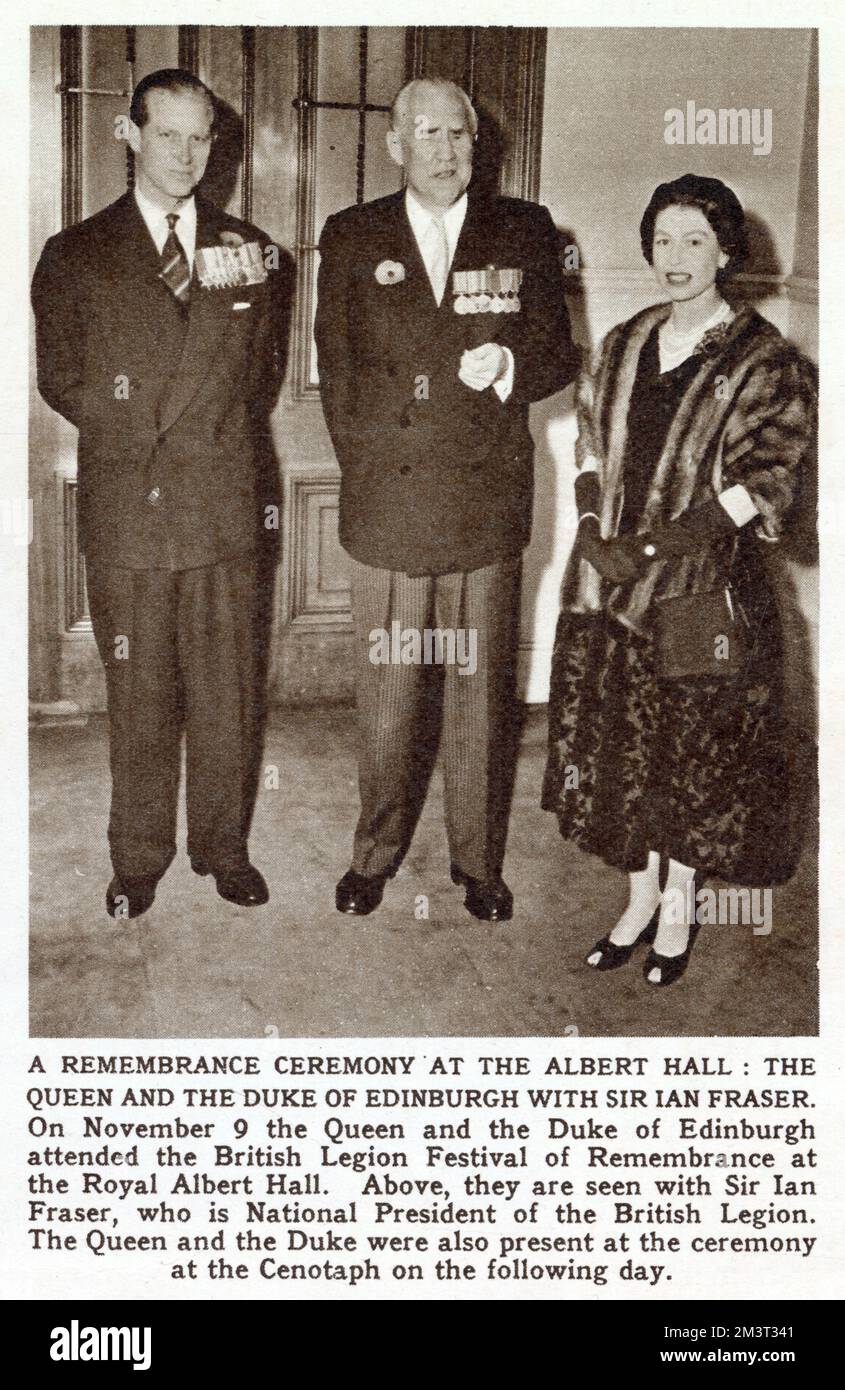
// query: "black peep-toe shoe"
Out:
[612,956]
[671,967]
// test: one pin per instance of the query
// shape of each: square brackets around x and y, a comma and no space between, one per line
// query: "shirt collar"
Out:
[420,218]
[156,219]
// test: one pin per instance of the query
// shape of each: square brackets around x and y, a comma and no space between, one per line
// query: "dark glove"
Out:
[691,533]
[587,493]
[620,560]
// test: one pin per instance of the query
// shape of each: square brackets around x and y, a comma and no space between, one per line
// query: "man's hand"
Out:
[482,366]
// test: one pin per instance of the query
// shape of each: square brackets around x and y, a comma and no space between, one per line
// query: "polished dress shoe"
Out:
[132,899]
[490,900]
[244,886]
[359,894]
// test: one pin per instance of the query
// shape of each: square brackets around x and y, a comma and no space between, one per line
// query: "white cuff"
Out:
[738,504]
[590,465]
[504,385]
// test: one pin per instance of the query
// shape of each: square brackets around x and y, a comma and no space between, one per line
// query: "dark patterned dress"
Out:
[694,769]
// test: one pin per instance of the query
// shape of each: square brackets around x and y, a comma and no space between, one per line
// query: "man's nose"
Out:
[183,152]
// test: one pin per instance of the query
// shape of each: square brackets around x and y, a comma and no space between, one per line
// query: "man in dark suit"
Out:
[440,317]
[155,338]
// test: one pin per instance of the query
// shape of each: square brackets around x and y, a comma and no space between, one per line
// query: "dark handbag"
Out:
[700,635]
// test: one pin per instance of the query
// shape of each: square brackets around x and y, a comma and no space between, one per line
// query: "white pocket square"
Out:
[244,304]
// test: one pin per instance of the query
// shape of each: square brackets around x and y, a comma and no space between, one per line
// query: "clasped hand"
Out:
[619,560]
[482,366]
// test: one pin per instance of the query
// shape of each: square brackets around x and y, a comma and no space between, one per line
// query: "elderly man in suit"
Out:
[440,318]
[155,338]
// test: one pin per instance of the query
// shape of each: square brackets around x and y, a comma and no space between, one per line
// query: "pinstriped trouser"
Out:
[397,714]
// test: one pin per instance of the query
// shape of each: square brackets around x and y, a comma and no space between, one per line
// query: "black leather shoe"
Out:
[125,900]
[359,894]
[490,900]
[244,886]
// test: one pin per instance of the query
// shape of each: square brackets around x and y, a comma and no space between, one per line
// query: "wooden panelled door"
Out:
[305,115]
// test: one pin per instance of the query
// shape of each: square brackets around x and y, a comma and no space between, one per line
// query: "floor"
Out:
[420,966]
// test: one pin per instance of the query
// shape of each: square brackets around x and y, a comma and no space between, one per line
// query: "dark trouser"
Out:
[395,712]
[179,651]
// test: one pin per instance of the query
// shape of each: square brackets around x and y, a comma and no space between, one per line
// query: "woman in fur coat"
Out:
[665,747]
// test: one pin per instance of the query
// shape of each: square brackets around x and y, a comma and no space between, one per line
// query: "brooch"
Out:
[390,272]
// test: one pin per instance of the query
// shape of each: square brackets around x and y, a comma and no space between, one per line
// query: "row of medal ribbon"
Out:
[488,291]
[223,267]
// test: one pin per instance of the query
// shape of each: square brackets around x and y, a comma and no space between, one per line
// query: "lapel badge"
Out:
[488,291]
[235,262]
[389,272]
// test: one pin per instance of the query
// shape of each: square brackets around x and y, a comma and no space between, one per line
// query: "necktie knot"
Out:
[172,219]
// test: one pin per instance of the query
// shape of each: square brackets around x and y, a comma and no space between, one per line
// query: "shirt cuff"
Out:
[504,385]
[738,504]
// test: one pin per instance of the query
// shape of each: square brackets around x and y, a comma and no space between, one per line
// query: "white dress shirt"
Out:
[453,220]
[156,222]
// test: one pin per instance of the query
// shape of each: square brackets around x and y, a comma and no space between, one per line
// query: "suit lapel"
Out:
[132,264]
[133,239]
[473,250]
[143,321]
[414,298]
[418,291]
[208,316]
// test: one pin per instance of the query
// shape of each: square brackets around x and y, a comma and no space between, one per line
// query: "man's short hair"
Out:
[167,80]
[401,101]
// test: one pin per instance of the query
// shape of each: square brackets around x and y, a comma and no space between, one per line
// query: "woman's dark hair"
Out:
[166,80]
[719,204]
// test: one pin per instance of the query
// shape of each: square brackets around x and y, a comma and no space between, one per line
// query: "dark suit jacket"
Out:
[436,477]
[167,465]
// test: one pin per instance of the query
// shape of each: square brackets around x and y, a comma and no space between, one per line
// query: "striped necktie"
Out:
[175,271]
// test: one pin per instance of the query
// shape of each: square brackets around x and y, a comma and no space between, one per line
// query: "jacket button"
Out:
[154,496]
[404,468]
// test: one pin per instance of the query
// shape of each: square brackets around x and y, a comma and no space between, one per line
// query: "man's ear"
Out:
[133,138]
[394,147]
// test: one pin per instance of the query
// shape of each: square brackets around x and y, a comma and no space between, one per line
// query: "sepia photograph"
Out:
[422,530]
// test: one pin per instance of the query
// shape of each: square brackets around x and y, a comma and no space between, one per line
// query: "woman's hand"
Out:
[692,532]
[620,560]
